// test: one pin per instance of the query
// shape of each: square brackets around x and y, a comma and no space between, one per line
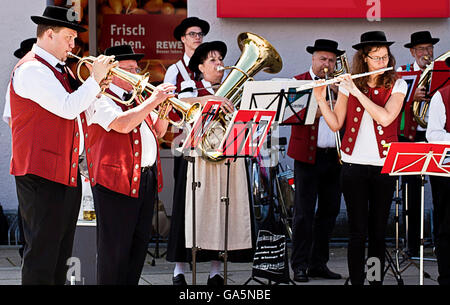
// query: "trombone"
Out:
[189,112]
[337,137]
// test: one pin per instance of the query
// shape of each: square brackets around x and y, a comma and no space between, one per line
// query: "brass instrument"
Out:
[257,54]
[342,66]
[337,136]
[140,84]
[420,108]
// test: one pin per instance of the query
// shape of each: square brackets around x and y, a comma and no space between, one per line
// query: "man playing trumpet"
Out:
[125,172]
[47,139]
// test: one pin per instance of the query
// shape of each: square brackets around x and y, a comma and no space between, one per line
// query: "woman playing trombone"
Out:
[369,106]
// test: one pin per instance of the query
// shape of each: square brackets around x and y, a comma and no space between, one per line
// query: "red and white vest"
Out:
[43,144]
[354,116]
[303,139]
[114,159]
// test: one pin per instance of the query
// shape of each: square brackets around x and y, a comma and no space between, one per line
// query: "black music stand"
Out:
[201,125]
[244,137]
[292,107]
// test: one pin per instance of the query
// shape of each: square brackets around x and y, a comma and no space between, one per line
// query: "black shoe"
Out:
[324,272]
[179,280]
[300,275]
[215,281]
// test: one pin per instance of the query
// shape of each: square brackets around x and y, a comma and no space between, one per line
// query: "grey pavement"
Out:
[238,273]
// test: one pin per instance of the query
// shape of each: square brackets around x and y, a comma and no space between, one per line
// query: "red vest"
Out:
[180,77]
[355,113]
[303,140]
[114,159]
[445,93]
[410,124]
[43,143]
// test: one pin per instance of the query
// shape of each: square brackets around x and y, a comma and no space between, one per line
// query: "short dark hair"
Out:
[42,28]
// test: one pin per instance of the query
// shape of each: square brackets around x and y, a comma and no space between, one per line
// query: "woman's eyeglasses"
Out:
[377,58]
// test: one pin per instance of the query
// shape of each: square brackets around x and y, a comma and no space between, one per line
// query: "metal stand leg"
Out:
[226,200]
[194,186]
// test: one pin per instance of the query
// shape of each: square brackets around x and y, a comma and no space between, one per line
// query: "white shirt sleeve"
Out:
[35,81]
[400,86]
[103,112]
[436,120]
[171,75]
[7,110]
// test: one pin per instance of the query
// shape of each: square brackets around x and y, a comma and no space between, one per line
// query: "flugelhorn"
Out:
[314,84]
[140,84]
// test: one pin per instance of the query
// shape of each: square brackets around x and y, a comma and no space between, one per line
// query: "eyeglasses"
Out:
[377,58]
[195,34]
[423,49]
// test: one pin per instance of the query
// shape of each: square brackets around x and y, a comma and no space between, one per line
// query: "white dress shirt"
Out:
[172,71]
[34,80]
[365,150]
[436,124]
[105,110]
[325,136]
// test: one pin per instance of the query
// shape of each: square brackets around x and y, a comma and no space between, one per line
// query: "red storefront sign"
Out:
[151,35]
[333,9]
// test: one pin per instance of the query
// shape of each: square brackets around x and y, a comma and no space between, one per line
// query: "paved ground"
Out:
[238,273]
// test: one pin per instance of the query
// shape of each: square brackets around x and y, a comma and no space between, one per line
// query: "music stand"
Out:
[417,159]
[292,107]
[200,126]
[243,138]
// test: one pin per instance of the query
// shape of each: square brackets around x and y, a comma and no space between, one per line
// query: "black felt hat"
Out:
[187,23]
[325,45]
[202,50]
[25,47]
[123,52]
[421,37]
[372,38]
[59,16]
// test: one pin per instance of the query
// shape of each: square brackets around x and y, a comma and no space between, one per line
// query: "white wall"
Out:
[15,26]
[291,36]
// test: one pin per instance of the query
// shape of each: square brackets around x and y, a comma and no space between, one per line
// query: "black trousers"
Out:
[123,231]
[368,196]
[176,246]
[441,222]
[49,213]
[311,229]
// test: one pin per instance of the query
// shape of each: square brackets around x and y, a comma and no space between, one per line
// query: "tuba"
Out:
[188,112]
[420,108]
[257,54]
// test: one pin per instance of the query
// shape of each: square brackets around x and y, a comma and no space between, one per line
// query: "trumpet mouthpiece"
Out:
[325,70]
[220,68]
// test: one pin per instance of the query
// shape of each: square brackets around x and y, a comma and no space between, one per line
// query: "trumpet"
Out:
[314,84]
[188,112]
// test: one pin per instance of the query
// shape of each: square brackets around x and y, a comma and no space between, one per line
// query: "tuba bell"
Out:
[420,108]
[257,54]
